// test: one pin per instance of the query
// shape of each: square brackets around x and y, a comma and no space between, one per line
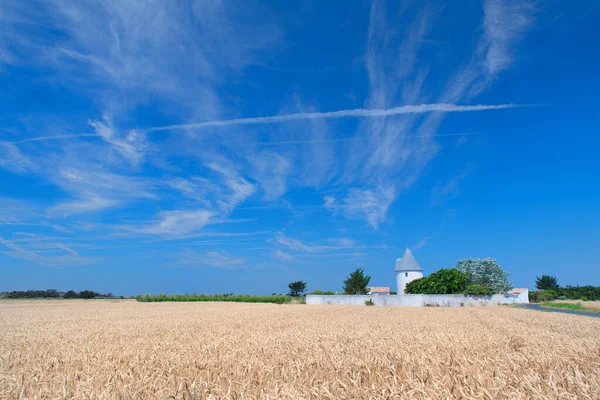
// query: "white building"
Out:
[407,269]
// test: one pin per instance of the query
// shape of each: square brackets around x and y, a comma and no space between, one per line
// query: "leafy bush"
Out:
[278,299]
[369,303]
[485,272]
[541,296]
[71,295]
[444,281]
[479,290]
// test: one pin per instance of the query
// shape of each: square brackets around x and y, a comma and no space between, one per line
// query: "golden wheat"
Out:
[101,349]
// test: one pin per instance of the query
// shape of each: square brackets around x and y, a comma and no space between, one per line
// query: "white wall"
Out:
[402,279]
[420,300]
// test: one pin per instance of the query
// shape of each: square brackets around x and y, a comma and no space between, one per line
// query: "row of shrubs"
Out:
[53,294]
[276,299]
[583,293]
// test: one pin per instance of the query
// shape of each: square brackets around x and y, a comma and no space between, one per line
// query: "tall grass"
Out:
[244,298]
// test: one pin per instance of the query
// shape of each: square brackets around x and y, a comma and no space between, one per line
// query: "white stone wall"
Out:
[402,279]
[421,300]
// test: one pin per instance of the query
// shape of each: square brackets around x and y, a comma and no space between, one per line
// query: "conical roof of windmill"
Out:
[408,262]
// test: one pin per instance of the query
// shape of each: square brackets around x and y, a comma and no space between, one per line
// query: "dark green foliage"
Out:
[479,290]
[323,293]
[297,288]
[88,294]
[357,283]
[277,299]
[585,293]
[444,281]
[71,295]
[33,294]
[546,282]
[393,292]
[369,303]
[579,292]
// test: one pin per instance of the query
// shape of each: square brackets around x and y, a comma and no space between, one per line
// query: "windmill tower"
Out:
[407,269]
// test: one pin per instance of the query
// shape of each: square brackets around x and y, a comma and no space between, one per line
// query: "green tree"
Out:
[70,295]
[444,281]
[357,282]
[546,282]
[297,288]
[485,272]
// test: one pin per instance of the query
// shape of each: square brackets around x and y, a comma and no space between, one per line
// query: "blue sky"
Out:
[229,146]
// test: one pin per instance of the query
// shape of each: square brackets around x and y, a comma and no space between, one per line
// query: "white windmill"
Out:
[407,269]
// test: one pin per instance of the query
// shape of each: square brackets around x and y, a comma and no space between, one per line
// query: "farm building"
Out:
[379,290]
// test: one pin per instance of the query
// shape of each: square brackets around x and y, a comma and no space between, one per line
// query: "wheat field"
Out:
[128,350]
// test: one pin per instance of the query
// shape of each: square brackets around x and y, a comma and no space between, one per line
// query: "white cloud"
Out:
[370,204]
[299,246]
[219,259]
[282,255]
[450,188]
[95,189]
[504,23]
[131,147]
[238,188]
[270,170]
[11,158]
[180,222]
[38,253]
[421,243]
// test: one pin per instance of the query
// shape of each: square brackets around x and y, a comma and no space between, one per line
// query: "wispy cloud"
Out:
[369,204]
[11,158]
[421,243]
[35,251]
[449,188]
[189,258]
[282,255]
[299,246]
[504,23]
[180,222]
[130,147]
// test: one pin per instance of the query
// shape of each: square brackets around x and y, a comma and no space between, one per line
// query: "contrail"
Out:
[355,113]
[359,139]
[54,137]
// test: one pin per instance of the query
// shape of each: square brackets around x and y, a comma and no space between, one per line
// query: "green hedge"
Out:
[566,293]
[279,299]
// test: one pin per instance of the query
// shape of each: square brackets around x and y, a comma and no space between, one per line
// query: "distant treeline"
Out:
[583,293]
[55,294]
[243,298]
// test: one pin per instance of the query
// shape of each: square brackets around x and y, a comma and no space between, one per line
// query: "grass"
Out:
[570,306]
[276,299]
[131,350]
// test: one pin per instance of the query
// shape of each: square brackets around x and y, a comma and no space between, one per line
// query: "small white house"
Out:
[379,290]
[407,270]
